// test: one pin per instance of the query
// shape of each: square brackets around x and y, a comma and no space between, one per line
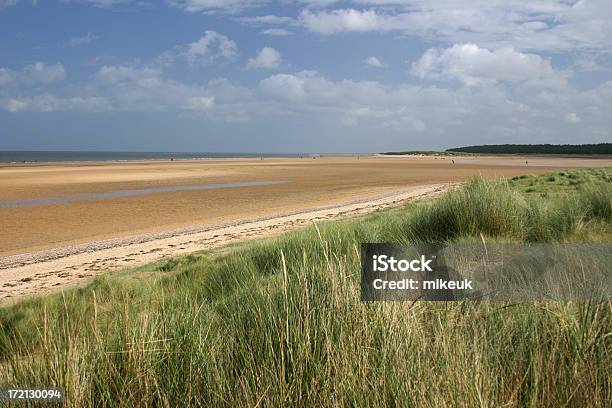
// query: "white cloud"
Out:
[39,73]
[551,25]
[211,47]
[374,62]
[143,89]
[116,74]
[310,91]
[146,89]
[330,22]
[270,20]
[200,103]
[215,6]
[268,57]
[106,3]
[473,65]
[77,41]
[524,25]
[52,103]
[15,105]
[43,73]
[523,113]
[284,86]
[276,31]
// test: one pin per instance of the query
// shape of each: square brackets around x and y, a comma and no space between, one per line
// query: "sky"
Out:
[300,76]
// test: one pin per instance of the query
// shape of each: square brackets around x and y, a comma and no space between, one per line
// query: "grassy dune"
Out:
[279,321]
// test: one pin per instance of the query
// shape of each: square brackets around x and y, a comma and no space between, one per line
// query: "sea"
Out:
[8,156]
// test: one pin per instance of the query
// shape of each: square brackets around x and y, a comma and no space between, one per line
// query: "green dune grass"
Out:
[278,322]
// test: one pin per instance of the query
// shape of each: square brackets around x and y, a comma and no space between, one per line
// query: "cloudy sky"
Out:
[303,75]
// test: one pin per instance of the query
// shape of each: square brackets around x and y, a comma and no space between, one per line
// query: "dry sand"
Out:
[51,246]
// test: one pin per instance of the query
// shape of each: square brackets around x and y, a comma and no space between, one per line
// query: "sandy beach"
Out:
[116,215]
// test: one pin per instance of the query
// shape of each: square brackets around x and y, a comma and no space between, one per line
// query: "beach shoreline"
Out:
[41,272]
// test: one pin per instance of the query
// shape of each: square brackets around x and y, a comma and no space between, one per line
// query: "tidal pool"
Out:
[33,202]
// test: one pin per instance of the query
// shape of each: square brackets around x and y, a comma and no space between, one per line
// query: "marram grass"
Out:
[278,322]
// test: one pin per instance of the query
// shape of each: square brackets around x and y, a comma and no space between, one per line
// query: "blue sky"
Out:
[303,75]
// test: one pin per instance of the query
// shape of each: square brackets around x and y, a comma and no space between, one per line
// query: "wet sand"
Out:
[173,200]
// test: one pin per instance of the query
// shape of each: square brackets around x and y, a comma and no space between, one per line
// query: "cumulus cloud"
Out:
[473,65]
[284,86]
[39,73]
[374,62]
[44,73]
[495,50]
[268,57]
[330,22]
[209,48]
[308,90]
[523,113]
[145,88]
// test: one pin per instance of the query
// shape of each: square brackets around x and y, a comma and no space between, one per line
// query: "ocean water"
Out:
[8,156]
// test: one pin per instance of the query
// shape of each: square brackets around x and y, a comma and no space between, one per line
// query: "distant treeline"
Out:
[601,148]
